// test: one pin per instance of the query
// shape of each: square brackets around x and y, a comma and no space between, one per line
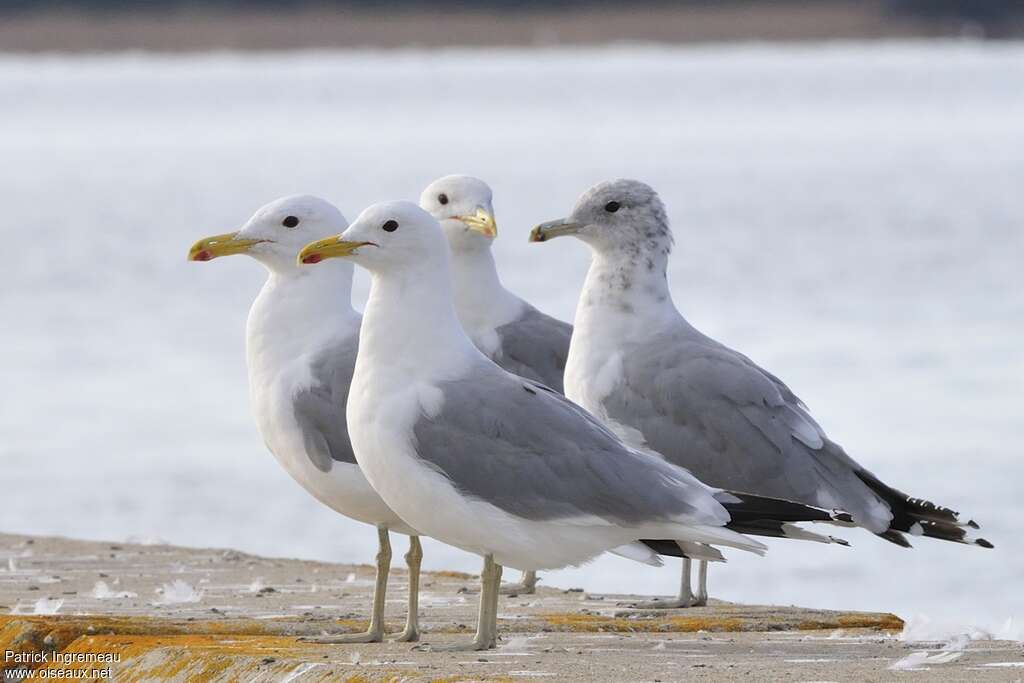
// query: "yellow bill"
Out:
[482,221]
[329,247]
[227,244]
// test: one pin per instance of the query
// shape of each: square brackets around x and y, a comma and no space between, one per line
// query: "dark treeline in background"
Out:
[985,11]
[184,25]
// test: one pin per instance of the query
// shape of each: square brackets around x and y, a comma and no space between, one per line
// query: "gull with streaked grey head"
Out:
[506,328]
[497,464]
[301,342]
[656,381]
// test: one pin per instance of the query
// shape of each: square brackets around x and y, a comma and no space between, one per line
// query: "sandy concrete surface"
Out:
[181,614]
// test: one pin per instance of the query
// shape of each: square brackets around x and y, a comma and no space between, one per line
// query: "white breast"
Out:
[343,488]
[279,367]
[594,367]
[482,322]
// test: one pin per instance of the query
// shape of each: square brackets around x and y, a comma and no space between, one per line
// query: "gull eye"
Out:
[443,198]
[611,207]
[290,221]
[390,226]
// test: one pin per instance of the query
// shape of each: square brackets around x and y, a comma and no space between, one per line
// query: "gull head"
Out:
[386,237]
[275,233]
[462,205]
[619,215]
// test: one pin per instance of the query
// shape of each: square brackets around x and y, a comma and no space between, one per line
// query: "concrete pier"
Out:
[163,613]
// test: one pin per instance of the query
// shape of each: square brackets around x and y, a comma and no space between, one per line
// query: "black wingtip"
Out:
[664,547]
[895,537]
[840,516]
[744,507]
[921,517]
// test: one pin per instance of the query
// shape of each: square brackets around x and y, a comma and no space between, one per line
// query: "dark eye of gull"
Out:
[611,207]
[390,226]
[290,221]
[443,198]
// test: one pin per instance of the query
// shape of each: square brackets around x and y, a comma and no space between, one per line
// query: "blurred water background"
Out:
[847,214]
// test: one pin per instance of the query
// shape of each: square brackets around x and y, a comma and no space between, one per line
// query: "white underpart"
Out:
[481,301]
[296,315]
[395,382]
[602,331]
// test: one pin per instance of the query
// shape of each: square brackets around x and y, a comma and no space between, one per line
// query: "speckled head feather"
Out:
[623,214]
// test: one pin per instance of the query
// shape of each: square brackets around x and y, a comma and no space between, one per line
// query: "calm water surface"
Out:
[848,215]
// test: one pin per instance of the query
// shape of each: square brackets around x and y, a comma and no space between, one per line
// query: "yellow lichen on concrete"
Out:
[591,623]
[445,573]
[729,622]
[73,626]
[694,624]
[31,636]
[880,622]
[202,658]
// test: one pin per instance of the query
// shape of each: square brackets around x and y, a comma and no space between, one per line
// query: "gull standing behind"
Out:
[493,463]
[656,381]
[507,329]
[301,341]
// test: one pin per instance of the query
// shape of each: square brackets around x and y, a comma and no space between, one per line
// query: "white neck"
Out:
[412,309]
[628,286]
[299,311]
[482,302]
[625,298]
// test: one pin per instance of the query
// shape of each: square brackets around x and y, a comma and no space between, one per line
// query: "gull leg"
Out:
[375,634]
[527,585]
[412,620]
[495,591]
[702,584]
[486,625]
[685,590]
[685,598]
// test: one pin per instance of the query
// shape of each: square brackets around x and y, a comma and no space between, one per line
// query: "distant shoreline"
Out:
[192,31]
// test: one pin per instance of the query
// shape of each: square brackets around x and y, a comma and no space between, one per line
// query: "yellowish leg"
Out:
[495,592]
[702,584]
[685,598]
[487,616]
[412,620]
[527,585]
[375,634]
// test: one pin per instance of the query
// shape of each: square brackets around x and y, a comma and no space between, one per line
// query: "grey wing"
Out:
[320,408]
[535,346]
[713,411]
[520,446]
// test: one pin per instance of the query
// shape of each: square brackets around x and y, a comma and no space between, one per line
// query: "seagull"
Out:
[301,342]
[494,463]
[506,328]
[662,385]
